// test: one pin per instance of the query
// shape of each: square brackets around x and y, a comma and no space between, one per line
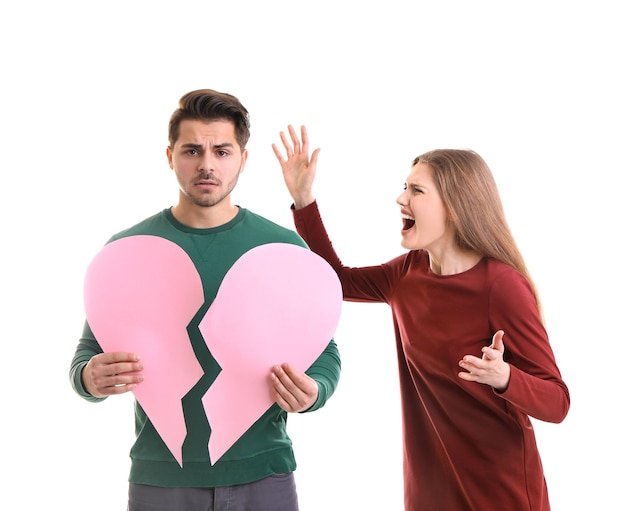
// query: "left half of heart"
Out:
[140,293]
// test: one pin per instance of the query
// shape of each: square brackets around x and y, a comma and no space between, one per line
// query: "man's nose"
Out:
[207,163]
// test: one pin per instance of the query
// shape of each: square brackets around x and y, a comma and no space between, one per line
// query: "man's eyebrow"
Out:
[223,145]
[191,145]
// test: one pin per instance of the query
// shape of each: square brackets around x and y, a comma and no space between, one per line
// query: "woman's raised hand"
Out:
[298,169]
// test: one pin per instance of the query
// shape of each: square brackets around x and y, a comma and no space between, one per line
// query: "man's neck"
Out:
[199,217]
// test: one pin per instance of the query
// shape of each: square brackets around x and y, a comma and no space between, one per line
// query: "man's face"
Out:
[207,161]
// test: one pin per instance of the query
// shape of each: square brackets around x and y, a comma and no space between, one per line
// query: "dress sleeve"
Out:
[536,387]
[364,284]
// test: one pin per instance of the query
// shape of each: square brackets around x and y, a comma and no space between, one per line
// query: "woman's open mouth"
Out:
[407,221]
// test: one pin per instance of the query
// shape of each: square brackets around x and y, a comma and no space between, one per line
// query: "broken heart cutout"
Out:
[277,303]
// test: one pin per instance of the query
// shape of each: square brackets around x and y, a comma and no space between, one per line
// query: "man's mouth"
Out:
[206,182]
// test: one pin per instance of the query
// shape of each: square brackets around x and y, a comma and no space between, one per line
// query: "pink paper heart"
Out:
[140,293]
[278,303]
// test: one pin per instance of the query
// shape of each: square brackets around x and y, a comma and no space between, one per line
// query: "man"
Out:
[208,134]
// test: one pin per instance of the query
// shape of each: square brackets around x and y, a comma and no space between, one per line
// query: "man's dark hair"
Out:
[209,105]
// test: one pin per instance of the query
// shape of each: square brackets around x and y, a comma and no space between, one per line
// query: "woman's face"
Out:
[424,214]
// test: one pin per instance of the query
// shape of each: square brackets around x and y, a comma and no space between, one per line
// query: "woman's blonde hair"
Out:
[469,192]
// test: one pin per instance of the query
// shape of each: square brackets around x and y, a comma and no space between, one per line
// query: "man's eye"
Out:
[222,153]
[192,152]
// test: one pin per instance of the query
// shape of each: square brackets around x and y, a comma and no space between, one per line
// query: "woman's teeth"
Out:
[408,221]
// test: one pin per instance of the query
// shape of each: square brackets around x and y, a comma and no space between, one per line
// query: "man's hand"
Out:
[292,390]
[112,373]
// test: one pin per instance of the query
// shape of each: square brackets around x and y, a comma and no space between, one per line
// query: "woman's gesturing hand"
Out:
[298,169]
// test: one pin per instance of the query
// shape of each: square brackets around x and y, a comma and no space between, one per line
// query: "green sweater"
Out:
[265,448]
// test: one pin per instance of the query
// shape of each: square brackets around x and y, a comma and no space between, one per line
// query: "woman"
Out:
[461,287]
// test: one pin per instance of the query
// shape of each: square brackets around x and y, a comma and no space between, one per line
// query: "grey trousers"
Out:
[273,493]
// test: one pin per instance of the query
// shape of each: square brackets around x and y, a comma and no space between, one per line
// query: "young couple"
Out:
[474,358]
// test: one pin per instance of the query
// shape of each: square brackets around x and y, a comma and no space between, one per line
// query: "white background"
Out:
[537,88]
